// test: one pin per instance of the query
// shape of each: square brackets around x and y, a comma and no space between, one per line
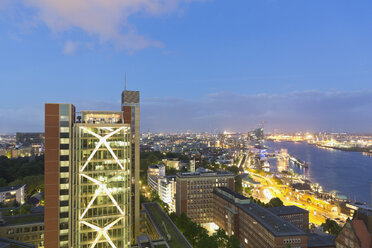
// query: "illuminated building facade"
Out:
[87,178]
[164,185]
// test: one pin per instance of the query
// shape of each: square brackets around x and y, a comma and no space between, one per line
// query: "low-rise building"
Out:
[164,185]
[24,228]
[194,193]
[9,243]
[172,163]
[320,241]
[13,193]
[293,214]
[357,233]
[158,230]
[252,224]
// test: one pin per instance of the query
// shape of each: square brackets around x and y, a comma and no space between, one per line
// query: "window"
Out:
[63,118]
[64,152]
[64,163]
[63,186]
[64,129]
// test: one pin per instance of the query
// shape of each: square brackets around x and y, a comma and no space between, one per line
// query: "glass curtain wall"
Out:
[103,185]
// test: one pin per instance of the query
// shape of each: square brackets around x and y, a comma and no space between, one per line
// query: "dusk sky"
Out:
[208,65]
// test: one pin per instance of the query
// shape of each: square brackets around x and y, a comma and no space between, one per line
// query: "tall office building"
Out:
[59,120]
[131,109]
[88,176]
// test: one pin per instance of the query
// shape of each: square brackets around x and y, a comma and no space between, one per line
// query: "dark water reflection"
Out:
[348,172]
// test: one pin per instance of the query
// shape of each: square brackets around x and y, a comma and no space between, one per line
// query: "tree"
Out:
[331,227]
[275,202]
[234,169]
[198,236]
[34,184]
[233,242]
[24,209]
[238,185]
[2,182]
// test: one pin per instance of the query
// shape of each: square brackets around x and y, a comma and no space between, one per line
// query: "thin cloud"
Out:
[297,111]
[70,47]
[106,21]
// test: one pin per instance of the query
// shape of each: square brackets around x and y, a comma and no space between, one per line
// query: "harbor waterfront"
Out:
[350,173]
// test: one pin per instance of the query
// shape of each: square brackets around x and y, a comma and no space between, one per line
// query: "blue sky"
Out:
[200,65]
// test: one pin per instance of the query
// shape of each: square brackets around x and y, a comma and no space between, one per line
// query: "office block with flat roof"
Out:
[87,178]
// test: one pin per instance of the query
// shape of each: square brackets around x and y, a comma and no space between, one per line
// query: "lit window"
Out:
[64,163]
[64,175]
[64,129]
[63,118]
[64,141]
[64,186]
[64,152]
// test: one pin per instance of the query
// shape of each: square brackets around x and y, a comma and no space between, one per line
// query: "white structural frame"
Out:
[101,186]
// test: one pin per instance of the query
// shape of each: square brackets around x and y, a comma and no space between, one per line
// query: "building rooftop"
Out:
[101,117]
[24,219]
[316,240]
[248,179]
[230,193]
[204,174]
[285,210]
[9,243]
[11,188]
[274,224]
[365,211]
[165,226]
[156,166]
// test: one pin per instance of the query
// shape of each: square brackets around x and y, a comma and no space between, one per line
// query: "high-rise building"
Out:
[88,177]
[59,120]
[130,107]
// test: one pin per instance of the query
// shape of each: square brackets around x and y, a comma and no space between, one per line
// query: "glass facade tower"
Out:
[101,181]
[87,178]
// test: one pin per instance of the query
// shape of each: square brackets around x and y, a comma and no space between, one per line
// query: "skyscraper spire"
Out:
[125,81]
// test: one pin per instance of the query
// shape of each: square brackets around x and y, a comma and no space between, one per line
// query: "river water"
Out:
[347,172]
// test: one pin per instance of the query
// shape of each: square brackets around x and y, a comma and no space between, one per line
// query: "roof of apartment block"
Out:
[274,224]
[286,210]
[316,240]
[204,174]
[24,219]
[11,188]
[165,226]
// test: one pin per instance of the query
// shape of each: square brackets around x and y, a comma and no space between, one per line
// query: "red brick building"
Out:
[252,224]
[357,233]
[293,214]
[194,193]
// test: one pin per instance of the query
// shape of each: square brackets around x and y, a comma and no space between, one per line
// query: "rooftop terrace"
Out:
[165,226]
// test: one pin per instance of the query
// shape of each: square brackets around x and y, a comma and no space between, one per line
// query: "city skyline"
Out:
[200,65]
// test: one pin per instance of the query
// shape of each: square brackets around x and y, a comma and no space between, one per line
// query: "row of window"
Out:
[24,229]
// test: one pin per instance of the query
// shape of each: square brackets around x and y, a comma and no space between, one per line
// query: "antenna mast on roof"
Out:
[125,81]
